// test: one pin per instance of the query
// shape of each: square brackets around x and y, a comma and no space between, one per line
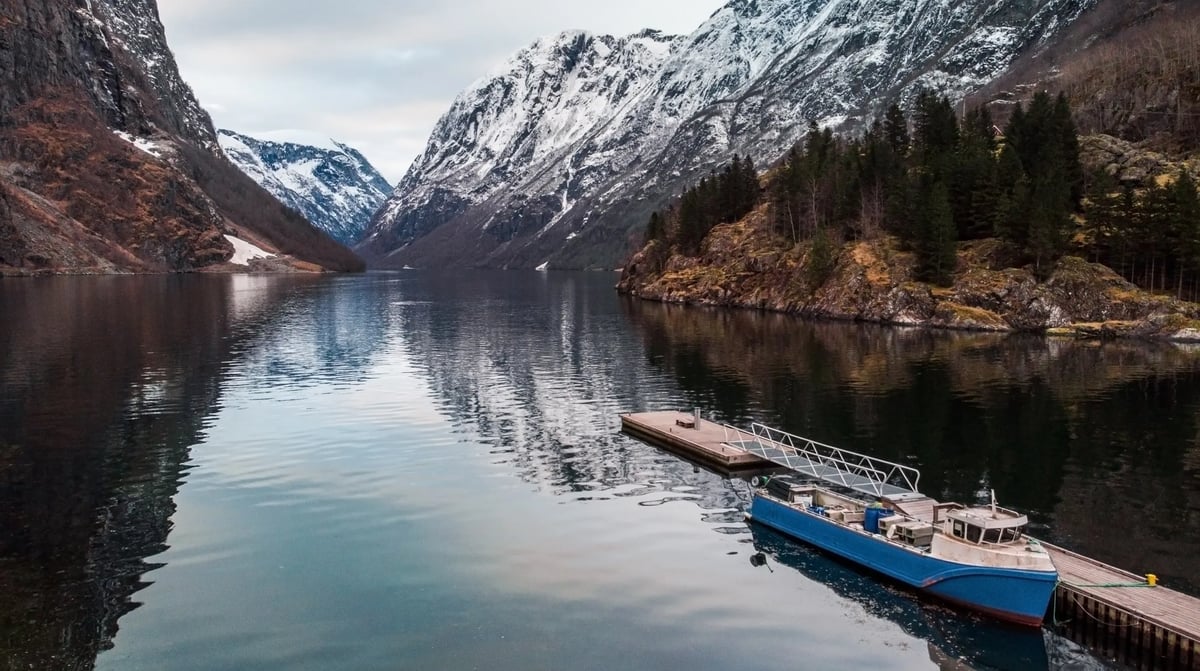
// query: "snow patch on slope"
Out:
[245,252]
[152,147]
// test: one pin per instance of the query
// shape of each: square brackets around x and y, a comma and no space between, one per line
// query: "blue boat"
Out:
[869,511]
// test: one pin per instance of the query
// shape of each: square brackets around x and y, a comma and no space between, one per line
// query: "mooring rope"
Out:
[1082,609]
[1107,584]
[1139,622]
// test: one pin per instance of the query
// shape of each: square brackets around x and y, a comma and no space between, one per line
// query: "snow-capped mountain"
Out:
[562,153]
[335,187]
[110,164]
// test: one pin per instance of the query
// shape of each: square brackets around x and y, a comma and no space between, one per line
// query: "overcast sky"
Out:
[375,74]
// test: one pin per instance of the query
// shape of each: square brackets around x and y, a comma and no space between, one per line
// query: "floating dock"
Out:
[1118,614]
[1121,616]
[693,437]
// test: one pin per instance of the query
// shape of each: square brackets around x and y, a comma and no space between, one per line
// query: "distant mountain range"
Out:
[335,187]
[561,154]
[108,163]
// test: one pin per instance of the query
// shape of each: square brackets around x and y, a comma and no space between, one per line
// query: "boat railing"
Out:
[834,464]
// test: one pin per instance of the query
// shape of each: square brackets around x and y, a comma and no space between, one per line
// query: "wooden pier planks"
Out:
[678,432]
[1160,605]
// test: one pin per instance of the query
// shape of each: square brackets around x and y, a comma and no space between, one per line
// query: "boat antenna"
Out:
[993,503]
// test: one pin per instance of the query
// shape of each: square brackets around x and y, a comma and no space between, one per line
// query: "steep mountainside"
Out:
[1130,69]
[532,165]
[506,156]
[107,161]
[335,187]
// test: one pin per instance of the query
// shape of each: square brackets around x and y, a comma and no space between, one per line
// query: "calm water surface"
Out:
[408,471]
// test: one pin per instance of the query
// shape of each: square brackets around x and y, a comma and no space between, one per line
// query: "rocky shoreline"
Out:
[743,265]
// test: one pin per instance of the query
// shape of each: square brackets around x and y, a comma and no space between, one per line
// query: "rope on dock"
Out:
[1107,584]
[1054,607]
[1082,609]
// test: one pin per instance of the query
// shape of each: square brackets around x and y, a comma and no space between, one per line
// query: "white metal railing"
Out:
[736,435]
[832,464]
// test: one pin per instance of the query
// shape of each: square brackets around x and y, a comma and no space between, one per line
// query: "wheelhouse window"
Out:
[957,529]
[973,533]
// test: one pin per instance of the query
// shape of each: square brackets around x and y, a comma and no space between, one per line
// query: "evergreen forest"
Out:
[932,178]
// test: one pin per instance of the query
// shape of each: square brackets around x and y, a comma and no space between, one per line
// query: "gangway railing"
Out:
[854,470]
[734,435]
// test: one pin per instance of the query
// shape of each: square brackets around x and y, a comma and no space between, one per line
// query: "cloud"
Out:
[375,74]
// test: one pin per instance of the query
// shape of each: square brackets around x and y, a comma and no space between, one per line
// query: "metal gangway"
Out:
[834,465]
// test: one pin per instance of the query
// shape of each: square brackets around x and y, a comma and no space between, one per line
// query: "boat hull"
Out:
[1015,595]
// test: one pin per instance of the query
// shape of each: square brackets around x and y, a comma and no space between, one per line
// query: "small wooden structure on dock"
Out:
[1122,616]
[692,436]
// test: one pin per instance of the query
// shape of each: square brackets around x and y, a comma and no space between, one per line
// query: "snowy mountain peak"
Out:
[563,151]
[333,185]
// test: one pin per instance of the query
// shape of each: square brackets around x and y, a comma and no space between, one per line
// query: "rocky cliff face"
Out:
[107,161]
[744,265]
[335,187]
[563,153]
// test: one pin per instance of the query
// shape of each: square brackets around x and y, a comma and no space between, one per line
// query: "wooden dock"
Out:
[1117,614]
[704,441]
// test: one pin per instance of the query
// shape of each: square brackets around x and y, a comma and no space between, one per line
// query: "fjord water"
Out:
[414,471]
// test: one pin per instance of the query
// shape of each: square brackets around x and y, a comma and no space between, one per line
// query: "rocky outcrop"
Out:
[743,265]
[1130,163]
[109,164]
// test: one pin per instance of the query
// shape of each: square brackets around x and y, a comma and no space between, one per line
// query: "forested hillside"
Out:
[935,179]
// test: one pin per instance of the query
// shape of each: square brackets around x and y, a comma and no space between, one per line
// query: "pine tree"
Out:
[1102,220]
[936,134]
[875,171]
[937,250]
[656,229]
[895,129]
[1068,148]
[1152,220]
[1012,203]
[1049,220]
[691,221]
[972,177]
[1185,228]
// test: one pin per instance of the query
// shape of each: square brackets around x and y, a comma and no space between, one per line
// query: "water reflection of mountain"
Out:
[1098,441]
[957,641]
[95,432]
[539,369]
[326,331]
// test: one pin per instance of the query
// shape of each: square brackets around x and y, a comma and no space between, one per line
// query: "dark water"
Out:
[416,472]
